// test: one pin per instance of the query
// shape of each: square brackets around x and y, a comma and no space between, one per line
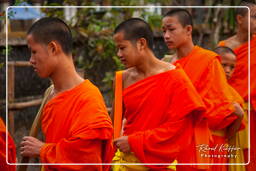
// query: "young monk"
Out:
[228,61]
[75,121]
[204,69]
[160,103]
[239,80]
[11,150]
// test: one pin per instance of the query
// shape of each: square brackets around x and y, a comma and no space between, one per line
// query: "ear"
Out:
[189,30]
[141,44]
[53,48]
[239,19]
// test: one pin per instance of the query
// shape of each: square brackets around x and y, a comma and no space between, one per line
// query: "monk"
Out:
[204,69]
[75,121]
[160,104]
[11,150]
[228,59]
[240,139]
[239,43]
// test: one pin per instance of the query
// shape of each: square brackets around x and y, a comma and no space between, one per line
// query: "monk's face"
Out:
[243,20]
[175,35]
[228,61]
[126,50]
[40,59]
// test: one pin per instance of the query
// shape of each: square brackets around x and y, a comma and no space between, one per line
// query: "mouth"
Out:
[123,60]
[34,68]
[169,43]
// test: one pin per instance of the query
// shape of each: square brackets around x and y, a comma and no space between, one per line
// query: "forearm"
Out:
[234,127]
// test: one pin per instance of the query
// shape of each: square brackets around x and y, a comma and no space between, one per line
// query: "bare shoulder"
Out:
[167,66]
[232,42]
[128,73]
[128,76]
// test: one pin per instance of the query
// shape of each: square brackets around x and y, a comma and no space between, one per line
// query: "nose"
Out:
[227,72]
[166,35]
[227,69]
[32,60]
[119,54]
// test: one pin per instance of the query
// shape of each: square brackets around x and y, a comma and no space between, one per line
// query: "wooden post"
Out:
[11,89]
[11,96]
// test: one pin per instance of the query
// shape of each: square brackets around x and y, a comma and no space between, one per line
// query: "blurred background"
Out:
[93,48]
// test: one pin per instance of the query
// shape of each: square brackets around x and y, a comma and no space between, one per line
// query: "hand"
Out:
[122,144]
[30,146]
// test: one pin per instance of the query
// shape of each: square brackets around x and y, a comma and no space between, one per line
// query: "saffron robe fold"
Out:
[11,149]
[159,113]
[77,129]
[207,75]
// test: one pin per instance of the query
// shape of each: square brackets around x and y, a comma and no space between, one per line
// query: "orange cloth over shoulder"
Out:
[77,130]
[159,113]
[11,149]
[239,79]
[206,73]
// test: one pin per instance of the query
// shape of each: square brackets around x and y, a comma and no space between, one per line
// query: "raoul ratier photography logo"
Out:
[218,151]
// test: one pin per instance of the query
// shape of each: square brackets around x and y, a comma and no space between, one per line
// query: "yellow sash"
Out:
[220,133]
[122,158]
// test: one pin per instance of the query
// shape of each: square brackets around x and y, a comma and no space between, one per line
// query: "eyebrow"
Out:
[168,25]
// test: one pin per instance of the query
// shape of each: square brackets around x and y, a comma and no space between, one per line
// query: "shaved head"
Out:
[50,29]
[244,11]
[134,29]
[183,15]
[223,49]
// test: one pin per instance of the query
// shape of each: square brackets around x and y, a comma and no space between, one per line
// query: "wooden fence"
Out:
[12,102]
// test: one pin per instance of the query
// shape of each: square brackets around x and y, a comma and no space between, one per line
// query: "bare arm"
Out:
[234,127]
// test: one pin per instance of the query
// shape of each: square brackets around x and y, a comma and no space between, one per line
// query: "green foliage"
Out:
[18,2]
[1,64]
[2,16]
[154,21]
[5,50]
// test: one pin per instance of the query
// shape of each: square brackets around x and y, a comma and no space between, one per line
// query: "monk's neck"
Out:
[148,64]
[242,36]
[65,77]
[184,50]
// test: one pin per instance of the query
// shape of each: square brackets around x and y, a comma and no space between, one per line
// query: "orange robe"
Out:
[239,80]
[77,129]
[11,150]
[159,113]
[206,73]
